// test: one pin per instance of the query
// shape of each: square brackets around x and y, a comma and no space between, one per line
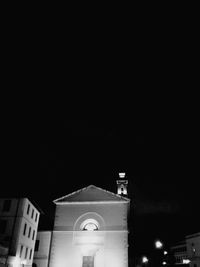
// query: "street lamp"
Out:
[158,244]
[161,256]
[145,260]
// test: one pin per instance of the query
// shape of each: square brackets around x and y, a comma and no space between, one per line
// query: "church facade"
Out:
[90,230]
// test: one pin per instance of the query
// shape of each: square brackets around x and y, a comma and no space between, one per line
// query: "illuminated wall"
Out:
[41,255]
[108,245]
[22,219]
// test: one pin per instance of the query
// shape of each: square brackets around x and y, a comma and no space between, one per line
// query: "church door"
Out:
[88,261]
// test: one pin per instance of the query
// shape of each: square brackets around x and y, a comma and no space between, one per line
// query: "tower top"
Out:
[122,184]
[122,175]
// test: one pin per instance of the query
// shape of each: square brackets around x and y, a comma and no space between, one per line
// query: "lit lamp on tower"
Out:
[122,184]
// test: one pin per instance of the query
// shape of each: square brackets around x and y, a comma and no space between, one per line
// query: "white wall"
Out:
[42,255]
[114,250]
[16,218]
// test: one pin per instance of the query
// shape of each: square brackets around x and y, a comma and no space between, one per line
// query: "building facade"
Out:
[90,230]
[193,249]
[180,253]
[187,252]
[42,248]
[18,229]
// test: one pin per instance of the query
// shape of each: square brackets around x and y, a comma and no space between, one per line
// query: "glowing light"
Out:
[186,261]
[164,263]
[144,259]
[158,244]
[165,252]
[122,174]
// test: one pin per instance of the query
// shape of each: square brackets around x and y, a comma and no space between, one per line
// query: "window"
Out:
[30,255]
[37,245]
[193,248]
[34,265]
[6,205]
[21,251]
[26,253]
[32,213]
[28,209]
[36,217]
[3,225]
[29,232]
[24,229]
[90,225]
[33,235]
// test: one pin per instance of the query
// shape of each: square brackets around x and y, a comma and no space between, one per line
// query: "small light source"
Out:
[165,252]
[186,261]
[158,244]
[164,263]
[122,175]
[144,259]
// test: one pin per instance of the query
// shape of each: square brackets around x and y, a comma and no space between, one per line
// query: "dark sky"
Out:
[159,157]
[153,137]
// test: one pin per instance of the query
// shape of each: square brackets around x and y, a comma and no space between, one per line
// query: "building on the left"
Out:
[18,230]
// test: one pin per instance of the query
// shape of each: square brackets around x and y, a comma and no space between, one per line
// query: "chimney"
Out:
[122,184]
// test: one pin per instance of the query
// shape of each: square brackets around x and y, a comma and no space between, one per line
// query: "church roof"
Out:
[91,193]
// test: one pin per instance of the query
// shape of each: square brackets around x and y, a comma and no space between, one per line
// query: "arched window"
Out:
[34,265]
[90,225]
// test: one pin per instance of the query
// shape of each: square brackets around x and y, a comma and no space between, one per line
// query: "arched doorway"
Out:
[89,235]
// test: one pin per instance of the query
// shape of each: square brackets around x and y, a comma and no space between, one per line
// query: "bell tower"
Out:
[122,184]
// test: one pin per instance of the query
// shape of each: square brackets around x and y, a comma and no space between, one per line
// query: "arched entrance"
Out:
[89,231]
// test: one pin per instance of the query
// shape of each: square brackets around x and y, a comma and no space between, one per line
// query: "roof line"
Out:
[91,202]
[83,189]
[71,194]
[193,235]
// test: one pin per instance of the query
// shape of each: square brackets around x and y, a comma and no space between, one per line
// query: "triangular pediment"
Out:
[91,194]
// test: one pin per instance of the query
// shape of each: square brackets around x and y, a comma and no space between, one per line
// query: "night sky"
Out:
[159,158]
[50,148]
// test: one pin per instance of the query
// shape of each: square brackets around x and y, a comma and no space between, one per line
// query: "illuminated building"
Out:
[179,251]
[42,248]
[187,252]
[18,229]
[193,248]
[90,230]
